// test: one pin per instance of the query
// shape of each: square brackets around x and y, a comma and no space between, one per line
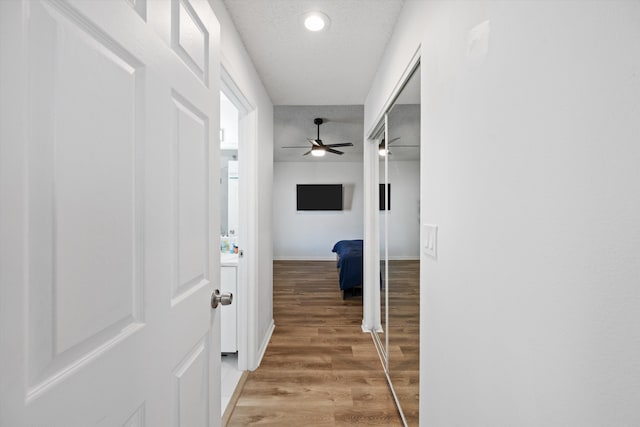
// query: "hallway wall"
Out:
[530,169]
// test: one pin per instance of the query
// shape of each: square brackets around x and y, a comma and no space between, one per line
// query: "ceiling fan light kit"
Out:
[318,148]
[317,151]
[383,150]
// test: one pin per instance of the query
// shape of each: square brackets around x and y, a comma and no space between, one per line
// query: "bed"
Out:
[349,253]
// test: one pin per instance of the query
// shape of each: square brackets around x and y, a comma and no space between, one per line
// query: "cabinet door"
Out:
[228,315]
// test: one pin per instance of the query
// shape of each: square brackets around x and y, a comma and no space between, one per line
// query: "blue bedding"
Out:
[349,262]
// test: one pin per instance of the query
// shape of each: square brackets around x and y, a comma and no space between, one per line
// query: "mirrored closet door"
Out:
[383,337]
[399,205]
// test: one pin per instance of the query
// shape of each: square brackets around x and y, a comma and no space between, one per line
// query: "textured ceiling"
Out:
[331,67]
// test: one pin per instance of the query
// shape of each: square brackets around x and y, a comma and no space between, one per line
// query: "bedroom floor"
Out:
[320,369]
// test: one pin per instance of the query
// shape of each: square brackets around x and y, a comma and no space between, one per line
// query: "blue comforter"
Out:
[349,262]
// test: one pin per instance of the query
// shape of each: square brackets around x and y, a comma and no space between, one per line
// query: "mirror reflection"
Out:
[399,172]
[383,201]
[229,201]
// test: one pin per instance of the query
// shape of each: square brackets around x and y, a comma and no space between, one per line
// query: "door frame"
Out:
[248,221]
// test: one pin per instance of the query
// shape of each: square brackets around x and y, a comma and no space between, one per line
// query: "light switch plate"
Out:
[430,239]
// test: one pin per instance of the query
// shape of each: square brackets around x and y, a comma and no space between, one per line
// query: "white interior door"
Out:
[108,212]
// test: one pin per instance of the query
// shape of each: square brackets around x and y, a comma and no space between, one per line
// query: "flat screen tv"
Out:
[319,197]
[382,197]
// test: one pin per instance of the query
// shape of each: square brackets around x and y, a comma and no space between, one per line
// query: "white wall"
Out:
[529,315]
[297,234]
[311,235]
[237,62]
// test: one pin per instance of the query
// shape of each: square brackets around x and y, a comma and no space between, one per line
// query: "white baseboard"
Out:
[405,258]
[333,258]
[265,343]
[304,258]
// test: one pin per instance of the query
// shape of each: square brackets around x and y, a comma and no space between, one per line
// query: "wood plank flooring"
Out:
[404,335]
[320,369]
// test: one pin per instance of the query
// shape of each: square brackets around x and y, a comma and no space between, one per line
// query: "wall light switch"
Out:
[430,239]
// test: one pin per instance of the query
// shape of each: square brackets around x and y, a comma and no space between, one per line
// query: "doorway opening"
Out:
[237,192]
[229,245]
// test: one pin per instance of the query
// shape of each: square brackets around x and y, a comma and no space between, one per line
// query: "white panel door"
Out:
[109,122]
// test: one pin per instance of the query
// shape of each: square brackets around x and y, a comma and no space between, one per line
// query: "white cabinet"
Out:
[229,313]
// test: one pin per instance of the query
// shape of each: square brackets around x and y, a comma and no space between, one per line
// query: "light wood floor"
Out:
[320,369]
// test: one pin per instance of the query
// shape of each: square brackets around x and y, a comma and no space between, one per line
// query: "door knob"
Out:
[218,298]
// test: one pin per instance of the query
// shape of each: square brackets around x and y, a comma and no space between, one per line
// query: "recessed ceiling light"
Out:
[316,21]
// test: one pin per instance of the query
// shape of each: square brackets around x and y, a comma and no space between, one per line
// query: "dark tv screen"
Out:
[319,197]
[382,197]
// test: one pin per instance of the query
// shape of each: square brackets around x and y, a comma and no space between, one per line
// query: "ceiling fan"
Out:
[383,147]
[318,148]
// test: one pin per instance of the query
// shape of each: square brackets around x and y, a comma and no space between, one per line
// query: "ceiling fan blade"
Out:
[296,146]
[306,153]
[331,150]
[343,144]
[315,141]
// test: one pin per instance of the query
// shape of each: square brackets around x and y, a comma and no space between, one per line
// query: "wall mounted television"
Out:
[319,197]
